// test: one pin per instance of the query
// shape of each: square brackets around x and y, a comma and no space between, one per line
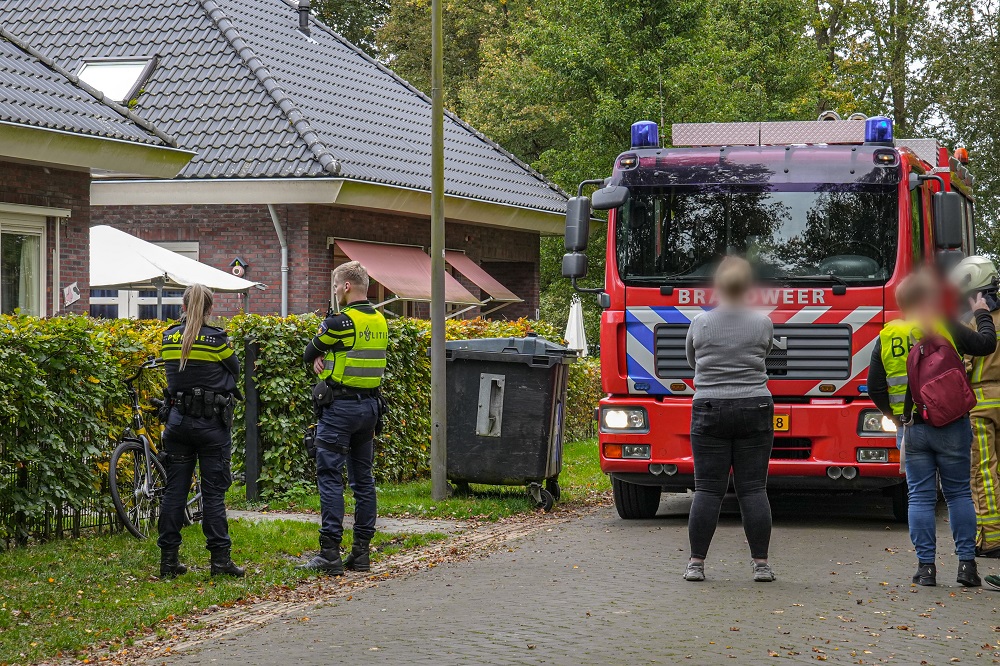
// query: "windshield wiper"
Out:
[839,289]
[658,280]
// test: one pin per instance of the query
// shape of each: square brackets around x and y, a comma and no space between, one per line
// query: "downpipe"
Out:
[284,258]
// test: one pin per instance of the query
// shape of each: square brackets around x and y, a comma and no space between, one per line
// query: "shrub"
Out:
[62,400]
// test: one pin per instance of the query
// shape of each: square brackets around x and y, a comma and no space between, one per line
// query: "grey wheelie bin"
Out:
[506,401]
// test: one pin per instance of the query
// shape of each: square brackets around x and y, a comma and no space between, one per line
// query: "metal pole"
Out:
[439,417]
[159,298]
[252,461]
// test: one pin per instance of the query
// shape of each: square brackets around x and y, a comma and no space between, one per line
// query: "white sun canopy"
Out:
[121,261]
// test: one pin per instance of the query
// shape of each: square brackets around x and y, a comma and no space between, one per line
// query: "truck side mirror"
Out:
[948,220]
[577,224]
[574,265]
[611,196]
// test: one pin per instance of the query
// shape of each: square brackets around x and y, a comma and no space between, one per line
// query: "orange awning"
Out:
[479,277]
[404,270]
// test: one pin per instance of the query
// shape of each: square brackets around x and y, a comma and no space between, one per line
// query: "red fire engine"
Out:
[832,213]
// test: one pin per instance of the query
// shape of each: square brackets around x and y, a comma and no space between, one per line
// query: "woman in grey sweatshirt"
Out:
[732,418]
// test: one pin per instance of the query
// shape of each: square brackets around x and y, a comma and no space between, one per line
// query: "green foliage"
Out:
[62,400]
[59,383]
[284,384]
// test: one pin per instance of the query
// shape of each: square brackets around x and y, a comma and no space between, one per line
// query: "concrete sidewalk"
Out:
[600,590]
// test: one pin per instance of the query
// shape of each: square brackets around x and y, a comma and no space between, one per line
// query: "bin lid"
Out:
[532,350]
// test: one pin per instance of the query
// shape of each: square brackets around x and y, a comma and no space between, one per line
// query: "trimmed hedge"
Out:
[62,399]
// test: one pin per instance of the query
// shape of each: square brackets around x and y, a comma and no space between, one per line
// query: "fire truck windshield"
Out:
[846,233]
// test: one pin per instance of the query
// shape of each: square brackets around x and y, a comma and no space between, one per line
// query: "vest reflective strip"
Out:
[367,353]
[897,400]
[352,371]
[897,381]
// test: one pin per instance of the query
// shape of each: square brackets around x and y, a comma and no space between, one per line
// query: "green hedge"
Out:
[62,400]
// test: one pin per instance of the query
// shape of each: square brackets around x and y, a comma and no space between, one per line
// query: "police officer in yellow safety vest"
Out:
[348,354]
[979,275]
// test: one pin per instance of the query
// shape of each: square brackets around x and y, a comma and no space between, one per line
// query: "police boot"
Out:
[327,560]
[359,559]
[223,565]
[170,565]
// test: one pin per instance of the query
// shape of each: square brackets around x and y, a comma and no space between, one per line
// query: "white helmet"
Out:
[974,273]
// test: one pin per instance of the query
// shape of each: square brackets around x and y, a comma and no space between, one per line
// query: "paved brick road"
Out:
[599,590]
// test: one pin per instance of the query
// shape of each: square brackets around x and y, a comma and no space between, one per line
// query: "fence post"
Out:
[253,457]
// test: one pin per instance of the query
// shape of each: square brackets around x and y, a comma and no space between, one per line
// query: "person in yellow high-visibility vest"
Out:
[931,452]
[349,355]
[979,275]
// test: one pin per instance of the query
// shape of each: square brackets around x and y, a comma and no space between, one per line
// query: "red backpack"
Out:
[937,383]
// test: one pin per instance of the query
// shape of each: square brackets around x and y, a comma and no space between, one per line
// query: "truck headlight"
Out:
[873,423]
[624,419]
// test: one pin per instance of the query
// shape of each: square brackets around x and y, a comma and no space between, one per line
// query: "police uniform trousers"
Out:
[345,436]
[985,432]
[206,442]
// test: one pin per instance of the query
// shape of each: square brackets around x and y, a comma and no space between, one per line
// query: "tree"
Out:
[359,21]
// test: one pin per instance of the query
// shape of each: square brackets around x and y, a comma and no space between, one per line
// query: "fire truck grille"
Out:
[800,351]
[791,448]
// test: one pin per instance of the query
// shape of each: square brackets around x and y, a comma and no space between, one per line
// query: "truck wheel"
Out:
[634,501]
[900,503]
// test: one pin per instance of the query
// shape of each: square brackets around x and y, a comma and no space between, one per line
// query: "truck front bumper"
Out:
[822,438]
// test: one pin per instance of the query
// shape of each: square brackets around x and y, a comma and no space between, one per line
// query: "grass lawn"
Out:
[581,480]
[62,596]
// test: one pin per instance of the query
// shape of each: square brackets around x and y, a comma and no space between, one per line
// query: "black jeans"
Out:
[207,442]
[345,434]
[734,434]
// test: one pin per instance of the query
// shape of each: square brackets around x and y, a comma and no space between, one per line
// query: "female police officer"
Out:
[202,371]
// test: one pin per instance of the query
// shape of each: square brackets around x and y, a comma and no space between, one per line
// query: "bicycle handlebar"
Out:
[148,364]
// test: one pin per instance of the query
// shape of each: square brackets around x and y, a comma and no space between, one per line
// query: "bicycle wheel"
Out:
[136,493]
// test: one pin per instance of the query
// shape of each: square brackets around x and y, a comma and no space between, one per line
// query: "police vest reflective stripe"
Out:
[896,338]
[362,365]
[205,348]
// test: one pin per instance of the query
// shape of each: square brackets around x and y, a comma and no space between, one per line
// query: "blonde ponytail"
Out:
[197,306]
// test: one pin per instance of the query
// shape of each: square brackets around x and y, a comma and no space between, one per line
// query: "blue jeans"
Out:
[345,435]
[946,452]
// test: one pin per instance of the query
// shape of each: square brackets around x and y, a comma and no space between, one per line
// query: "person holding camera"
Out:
[972,276]
[349,355]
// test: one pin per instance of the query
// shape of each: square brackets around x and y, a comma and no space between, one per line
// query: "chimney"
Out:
[304,17]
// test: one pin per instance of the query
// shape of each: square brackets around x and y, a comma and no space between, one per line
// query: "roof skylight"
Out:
[119,79]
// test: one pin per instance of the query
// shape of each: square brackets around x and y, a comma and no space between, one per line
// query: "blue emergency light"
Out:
[645,134]
[878,129]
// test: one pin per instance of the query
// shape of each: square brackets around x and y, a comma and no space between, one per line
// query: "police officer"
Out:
[978,275]
[202,371]
[349,356]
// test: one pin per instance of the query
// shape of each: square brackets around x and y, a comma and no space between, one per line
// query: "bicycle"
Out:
[136,475]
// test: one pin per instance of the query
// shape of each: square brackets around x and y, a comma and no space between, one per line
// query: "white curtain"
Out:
[30,284]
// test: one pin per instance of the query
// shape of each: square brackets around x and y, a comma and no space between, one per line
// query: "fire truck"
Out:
[832,214]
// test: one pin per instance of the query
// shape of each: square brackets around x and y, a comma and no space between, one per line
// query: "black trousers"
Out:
[206,442]
[737,435]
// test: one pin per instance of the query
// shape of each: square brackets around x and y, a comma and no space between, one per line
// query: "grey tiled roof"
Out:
[238,83]
[34,93]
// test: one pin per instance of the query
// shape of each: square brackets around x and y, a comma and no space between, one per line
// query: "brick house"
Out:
[54,134]
[301,139]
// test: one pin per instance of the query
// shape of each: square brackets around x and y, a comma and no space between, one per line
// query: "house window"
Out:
[119,79]
[22,264]
[126,304]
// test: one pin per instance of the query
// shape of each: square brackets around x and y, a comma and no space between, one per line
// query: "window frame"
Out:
[31,225]
[148,65]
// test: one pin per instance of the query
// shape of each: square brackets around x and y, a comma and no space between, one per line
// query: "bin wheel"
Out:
[544,500]
[461,488]
[552,485]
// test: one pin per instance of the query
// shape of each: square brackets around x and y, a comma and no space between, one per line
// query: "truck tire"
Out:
[635,502]
[900,503]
